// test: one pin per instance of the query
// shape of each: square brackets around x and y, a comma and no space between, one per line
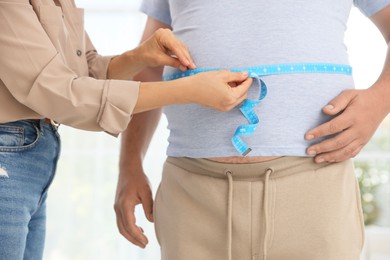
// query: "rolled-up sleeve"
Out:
[37,76]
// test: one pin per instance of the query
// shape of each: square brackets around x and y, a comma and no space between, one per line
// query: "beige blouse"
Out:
[49,68]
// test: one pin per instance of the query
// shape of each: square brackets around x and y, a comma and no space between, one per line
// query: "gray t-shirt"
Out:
[236,34]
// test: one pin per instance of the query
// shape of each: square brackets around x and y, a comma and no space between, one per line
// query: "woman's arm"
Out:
[37,76]
[210,89]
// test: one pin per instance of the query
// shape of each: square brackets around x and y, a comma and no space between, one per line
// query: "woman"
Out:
[50,72]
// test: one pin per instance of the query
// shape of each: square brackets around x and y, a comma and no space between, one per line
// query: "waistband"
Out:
[263,171]
[282,166]
[47,121]
[39,123]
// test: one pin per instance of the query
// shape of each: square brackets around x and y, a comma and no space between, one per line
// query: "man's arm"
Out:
[133,186]
[209,89]
[359,111]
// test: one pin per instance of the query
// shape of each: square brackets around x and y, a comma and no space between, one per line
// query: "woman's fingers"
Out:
[243,88]
[171,45]
[214,89]
[229,76]
[170,61]
[239,93]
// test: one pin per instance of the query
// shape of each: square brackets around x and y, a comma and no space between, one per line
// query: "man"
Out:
[277,203]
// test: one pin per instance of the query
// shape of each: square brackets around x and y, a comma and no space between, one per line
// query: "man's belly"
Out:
[240,159]
[293,106]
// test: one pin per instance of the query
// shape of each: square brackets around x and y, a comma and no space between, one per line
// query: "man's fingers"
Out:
[147,204]
[126,234]
[129,224]
[339,141]
[339,103]
[340,155]
[333,126]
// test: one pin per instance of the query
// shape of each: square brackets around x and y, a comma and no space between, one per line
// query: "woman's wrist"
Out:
[158,94]
[126,65]
[135,59]
[183,90]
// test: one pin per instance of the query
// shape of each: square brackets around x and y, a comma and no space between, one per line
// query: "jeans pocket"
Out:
[11,136]
[18,136]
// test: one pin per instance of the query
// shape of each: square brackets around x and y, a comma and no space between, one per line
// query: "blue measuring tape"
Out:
[256,73]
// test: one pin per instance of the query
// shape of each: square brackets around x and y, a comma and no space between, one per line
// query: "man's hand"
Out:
[358,114]
[133,189]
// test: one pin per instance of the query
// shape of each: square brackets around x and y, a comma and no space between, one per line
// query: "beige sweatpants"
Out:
[285,209]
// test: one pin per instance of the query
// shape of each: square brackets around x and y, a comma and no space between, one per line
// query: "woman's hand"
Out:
[161,49]
[221,90]
[164,49]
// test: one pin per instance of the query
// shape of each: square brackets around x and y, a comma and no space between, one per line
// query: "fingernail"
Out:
[309,137]
[320,160]
[244,74]
[311,152]
[187,62]
[193,65]
[329,107]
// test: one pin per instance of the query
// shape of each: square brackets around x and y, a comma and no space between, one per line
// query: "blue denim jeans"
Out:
[29,151]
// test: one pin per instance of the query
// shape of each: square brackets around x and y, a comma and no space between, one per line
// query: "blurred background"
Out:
[81,219]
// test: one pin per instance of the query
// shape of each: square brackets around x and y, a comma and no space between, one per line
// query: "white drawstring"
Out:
[230,208]
[229,175]
[268,172]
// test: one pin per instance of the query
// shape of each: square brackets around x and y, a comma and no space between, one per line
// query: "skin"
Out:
[361,113]
[358,112]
